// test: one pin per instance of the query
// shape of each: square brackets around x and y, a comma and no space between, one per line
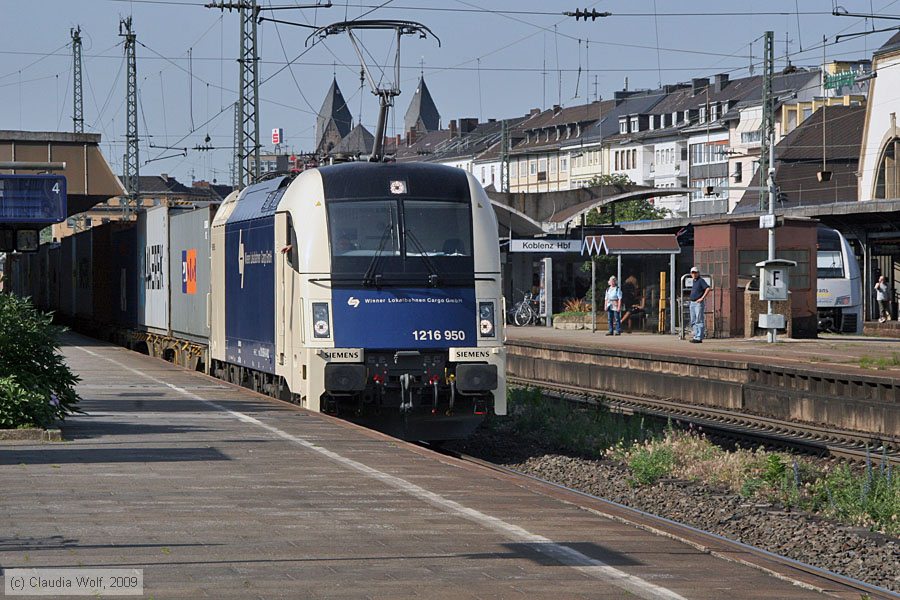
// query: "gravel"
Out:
[849,551]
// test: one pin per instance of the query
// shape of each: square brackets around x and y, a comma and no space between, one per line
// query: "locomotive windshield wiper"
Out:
[376,259]
[433,271]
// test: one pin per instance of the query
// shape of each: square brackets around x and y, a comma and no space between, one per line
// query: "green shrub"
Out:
[36,386]
[649,463]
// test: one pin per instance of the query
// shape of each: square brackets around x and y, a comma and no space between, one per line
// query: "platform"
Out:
[217,492]
[850,382]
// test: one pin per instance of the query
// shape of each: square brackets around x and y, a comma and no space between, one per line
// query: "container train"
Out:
[366,290]
[839,295]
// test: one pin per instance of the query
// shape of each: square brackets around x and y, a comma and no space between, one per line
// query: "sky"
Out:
[495,59]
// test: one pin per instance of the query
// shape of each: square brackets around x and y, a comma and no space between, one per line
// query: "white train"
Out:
[839,297]
[366,290]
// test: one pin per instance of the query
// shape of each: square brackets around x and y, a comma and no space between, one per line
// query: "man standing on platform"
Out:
[699,291]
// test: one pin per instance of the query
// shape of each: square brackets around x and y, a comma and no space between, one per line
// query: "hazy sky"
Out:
[489,64]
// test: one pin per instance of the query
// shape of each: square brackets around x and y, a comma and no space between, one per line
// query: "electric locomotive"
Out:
[366,290]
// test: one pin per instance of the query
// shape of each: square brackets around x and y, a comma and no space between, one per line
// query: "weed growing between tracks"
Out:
[867,497]
[879,362]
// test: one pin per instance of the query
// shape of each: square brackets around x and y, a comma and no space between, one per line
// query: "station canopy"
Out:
[618,245]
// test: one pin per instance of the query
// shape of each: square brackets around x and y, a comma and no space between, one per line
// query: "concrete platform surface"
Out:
[217,492]
[849,354]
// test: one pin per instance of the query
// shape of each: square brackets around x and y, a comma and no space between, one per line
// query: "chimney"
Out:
[698,84]
[454,132]
[467,125]
[399,140]
[721,81]
[556,109]
[534,111]
[164,177]
[410,137]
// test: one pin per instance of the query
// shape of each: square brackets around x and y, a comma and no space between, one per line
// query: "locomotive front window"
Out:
[364,229]
[830,264]
[435,228]
[401,241]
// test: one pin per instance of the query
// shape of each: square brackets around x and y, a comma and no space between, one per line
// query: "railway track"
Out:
[801,573]
[816,439]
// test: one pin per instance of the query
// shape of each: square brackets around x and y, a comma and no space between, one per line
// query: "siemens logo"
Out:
[343,355]
[463,354]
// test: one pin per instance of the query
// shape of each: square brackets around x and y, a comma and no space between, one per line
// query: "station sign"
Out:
[32,199]
[544,246]
[277,136]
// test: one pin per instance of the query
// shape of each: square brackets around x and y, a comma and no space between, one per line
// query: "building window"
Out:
[532,167]
[482,175]
[542,165]
[564,164]
[617,159]
[750,137]
[553,164]
[623,126]
[738,172]
[635,126]
[703,114]
[513,169]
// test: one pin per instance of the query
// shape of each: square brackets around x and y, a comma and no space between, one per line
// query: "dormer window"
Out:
[623,125]
[703,114]
[635,126]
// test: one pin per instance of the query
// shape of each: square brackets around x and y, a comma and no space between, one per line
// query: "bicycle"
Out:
[525,311]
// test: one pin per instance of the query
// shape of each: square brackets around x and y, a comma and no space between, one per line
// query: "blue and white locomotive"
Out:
[366,290]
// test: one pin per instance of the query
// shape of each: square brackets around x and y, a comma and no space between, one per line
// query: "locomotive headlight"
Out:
[321,320]
[486,323]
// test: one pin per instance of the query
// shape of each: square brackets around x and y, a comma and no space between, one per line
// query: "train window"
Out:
[829,264]
[436,228]
[290,244]
[366,228]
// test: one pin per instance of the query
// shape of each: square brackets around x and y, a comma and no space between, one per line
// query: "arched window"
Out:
[887,180]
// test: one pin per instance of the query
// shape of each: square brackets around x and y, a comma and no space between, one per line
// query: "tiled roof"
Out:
[799,160]
[358,141]
[843,135]
[425,145]
[892,44]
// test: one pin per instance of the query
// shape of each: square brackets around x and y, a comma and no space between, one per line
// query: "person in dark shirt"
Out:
[699,291]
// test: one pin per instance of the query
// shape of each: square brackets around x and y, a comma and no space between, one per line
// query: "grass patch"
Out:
[866,496]
[588,431]
[880,362]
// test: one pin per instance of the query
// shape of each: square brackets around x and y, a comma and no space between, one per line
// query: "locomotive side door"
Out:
[286,303]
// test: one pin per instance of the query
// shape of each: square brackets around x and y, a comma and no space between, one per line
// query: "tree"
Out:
[629,210]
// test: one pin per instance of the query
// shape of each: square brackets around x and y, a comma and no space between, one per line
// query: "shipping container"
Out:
[189,272]
[53,276]
[102,273]
[84,279]
[153,291]
[125,257]
[67,277]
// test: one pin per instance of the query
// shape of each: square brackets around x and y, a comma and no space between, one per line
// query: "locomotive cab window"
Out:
[437,228]
[401,241]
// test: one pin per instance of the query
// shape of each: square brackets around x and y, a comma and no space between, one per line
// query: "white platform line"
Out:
[563,554]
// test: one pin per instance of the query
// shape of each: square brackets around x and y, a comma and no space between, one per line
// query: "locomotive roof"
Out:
[259,200]
[373,180]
